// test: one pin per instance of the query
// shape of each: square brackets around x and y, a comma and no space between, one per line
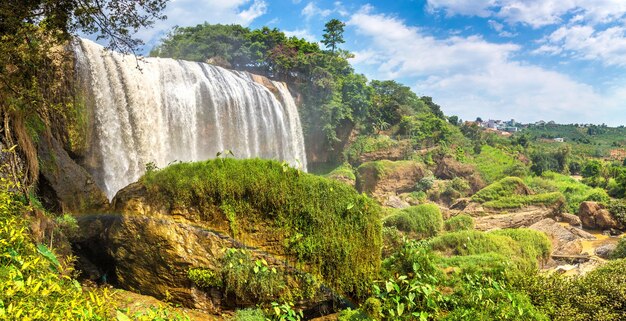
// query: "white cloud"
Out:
[472,77]
[606,46]
[536,13]
[301,33]
[311,10]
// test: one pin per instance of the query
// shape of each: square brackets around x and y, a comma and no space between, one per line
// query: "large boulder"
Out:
[382,179]
[566,240]
[188,215]
[153,255]
[64,185]
[595,216]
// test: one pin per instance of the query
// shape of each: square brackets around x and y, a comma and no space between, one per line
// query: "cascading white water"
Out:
[171,110]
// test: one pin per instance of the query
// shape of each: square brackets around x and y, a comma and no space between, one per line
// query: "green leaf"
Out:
[400,309]
[54,263]
[120,316]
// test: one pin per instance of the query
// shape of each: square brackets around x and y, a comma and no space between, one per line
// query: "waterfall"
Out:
[156,110]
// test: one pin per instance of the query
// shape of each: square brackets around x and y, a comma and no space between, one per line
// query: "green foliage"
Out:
[459,222]
[620,250]
[249,315]
[368,144]
[204,278]
[353,315]
[534,244]
[404,298]
[423,220]
[599,295]
[617,208]
[326,225]
[249,279]
[333,34]
[523,253]
[519,201]
[342,173]
[494,163]
[484,298]
[505,187]
[425,183]
[574,191]
[285,312]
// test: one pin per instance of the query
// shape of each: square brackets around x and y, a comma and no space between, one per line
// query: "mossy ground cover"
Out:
[325,225]
[422,221]
[512,192]
[342,172]
[493,163]
[575,192]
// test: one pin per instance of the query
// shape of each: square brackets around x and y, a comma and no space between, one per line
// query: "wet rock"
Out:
[604,251]
[566,240]
[67,187]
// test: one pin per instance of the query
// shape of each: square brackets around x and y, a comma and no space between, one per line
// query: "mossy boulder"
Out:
[383,178]
[422,221]
[324,227]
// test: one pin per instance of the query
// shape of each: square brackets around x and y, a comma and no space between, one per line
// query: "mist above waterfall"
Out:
[171,110]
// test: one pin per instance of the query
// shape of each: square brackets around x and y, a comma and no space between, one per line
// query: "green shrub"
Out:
[324,224]
[599,295]
[249,315]
[204,278]
[423,220]
[425,183]
[505,187]
[574,191]
[534,244]
[251,280]
[617,208]
[494,164]
[488,264]
[474,242]
[460,222]
[353,315]
[620,250]
[342,173]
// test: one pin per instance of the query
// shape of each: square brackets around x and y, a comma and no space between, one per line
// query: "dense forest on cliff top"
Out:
[410,215]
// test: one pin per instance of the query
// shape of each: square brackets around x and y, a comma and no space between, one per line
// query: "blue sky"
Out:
[562,60]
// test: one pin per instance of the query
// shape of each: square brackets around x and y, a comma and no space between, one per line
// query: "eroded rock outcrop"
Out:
[566,240]
[65,185]
[487,219]
[595,216]
[382,179]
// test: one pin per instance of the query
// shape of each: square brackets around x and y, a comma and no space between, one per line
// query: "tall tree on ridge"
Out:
[333,34]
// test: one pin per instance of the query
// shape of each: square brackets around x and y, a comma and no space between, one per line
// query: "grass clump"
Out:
[575,192]
[461,222]
[249,315]
[512,192]
[343,173]
[522,247]
[326,225]
[494,164]
[505,187]
[423,220]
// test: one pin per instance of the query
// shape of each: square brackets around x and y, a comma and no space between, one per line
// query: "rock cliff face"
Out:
[66,186]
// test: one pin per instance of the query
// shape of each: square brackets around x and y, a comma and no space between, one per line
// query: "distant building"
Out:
[491,124]
[559,140]
[511,129]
